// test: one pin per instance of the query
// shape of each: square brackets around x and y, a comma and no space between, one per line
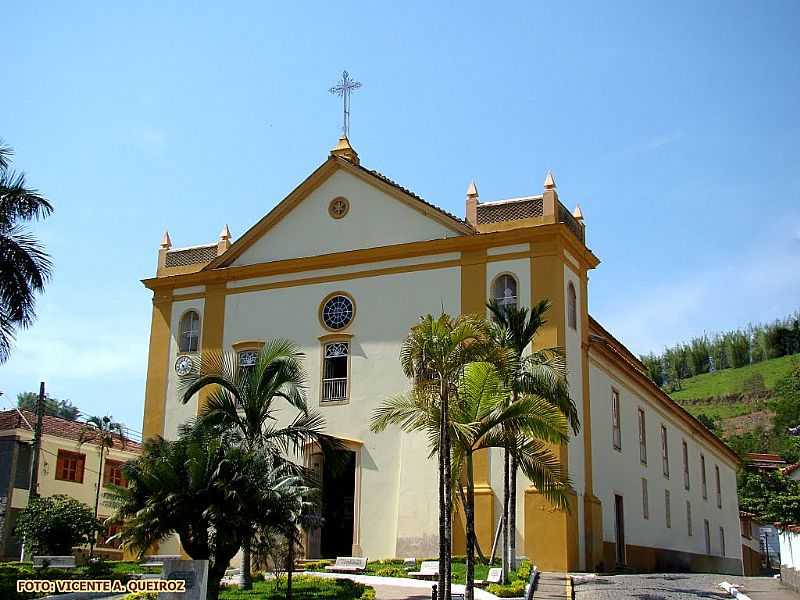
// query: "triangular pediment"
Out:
[340,207]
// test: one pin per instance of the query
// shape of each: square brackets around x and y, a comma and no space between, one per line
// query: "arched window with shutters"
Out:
[572,306]
[504,290]
[189,331]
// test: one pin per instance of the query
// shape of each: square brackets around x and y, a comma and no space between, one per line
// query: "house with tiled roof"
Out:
[66,466]
[344,265]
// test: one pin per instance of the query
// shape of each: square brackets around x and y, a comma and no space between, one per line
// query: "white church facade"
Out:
[344,266]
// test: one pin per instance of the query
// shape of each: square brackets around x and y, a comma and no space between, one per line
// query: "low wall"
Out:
[790,556]
[642,558]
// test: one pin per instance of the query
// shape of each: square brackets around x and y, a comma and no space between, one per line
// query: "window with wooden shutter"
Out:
[112,474]
[69,466]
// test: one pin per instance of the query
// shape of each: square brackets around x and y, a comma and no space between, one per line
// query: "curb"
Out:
[569,588]
[733,590]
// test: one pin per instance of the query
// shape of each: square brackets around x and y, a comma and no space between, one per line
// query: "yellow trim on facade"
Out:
[157,364]
[247,345]
[540,238]
[311,183]
[592,507]
[213,330]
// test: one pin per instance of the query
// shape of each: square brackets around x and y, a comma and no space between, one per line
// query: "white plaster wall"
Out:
[621,473]
[175,412]
[521,269]
[790,549]
[386,307]
[374,219]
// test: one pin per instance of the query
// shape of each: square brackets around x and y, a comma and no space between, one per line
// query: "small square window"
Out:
[69,466]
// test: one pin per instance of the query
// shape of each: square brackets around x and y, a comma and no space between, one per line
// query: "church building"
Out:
[344,266]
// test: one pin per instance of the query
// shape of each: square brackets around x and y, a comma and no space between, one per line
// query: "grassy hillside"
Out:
[732,381]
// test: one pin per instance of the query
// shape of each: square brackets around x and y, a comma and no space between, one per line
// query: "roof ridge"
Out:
[405,190]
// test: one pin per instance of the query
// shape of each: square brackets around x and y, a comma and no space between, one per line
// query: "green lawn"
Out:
[731,381]
[304,587]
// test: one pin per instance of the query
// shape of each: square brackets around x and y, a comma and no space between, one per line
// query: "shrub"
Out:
[390,571]
[515,589]
[141,596]
[524,570]
[53,525]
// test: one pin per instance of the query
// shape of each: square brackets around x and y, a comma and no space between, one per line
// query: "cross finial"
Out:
[343,89]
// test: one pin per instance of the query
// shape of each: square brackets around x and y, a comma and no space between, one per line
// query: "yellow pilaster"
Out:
[551,535]
[213,328]
[157,365]
[592,507]
[473,301]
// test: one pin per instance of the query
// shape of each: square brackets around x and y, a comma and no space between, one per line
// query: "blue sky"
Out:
[674,125]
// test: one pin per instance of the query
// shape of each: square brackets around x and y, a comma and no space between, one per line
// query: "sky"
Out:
[674,125]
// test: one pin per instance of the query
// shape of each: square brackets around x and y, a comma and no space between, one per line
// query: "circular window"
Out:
[337,312]
[338,207]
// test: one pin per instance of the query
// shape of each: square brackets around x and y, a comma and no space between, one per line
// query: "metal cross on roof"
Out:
[343,89]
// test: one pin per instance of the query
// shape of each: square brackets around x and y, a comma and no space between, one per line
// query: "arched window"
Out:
[504,290]
[572,307]
[189,332]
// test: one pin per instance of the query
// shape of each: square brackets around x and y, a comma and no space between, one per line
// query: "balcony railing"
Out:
[334,389]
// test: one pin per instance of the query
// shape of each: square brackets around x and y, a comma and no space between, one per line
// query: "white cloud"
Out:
[760,285]
[77,347]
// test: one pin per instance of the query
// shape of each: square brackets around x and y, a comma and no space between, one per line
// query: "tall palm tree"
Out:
[24,265]
[481,417]
[541,372]
[104,432]
[207,488]
[433,355]
[242,400]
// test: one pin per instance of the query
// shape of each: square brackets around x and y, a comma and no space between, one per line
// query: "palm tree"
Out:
[481,417]
[207,488]
[242,400]
[540,372]
[24,265]
[433,355]
[103,431]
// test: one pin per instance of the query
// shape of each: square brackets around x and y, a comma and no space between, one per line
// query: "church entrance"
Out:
[338,479]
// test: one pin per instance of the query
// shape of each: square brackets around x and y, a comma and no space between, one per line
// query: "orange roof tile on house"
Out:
[58,427]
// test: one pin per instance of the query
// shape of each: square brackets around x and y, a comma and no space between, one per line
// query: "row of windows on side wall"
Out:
[689,528]
[70,466]
[616,426]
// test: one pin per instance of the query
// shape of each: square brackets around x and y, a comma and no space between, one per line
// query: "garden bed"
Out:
[304,587]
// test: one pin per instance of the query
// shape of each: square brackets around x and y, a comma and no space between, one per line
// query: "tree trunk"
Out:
[504,554]
[469,511]
[289,567]
[448,499]
[245,580]
[512,514]
[216,571]
[442,506]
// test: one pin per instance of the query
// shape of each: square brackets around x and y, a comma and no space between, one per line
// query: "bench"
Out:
[429,569]
[54,562]
[495,575]
[157,560]
[348,564]
[533,583]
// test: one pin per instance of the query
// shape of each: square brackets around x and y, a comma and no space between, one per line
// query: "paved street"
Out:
[676,586]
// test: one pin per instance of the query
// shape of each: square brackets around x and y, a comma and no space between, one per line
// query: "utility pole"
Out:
[37,442]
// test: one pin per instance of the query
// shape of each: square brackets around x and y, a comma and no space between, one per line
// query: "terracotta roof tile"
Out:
[181,257]
[58,427]
[394,184]
[510,211]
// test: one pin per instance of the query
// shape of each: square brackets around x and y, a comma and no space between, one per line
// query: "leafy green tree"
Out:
[541,372]
[207,488]
[52,406]
[771,496]
[710,423]
[787,402]
[243,400]
[433,356]
[104,432]
[481,417]
[52,525]
[24,266]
